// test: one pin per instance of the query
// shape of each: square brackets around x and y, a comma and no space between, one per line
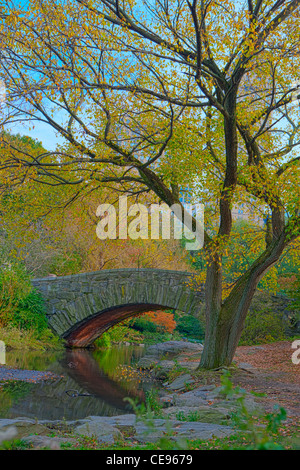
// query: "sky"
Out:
[42,132]
[37,130]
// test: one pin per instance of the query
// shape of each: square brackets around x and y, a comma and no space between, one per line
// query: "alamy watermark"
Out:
[2,352]
[155,221]
[296,354]
[2,92]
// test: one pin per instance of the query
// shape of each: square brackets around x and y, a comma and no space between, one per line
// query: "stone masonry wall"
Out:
[72,300]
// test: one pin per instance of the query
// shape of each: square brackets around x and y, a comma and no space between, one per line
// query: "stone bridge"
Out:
[82,306]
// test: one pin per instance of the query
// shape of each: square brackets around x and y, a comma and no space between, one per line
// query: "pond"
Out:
[88,382]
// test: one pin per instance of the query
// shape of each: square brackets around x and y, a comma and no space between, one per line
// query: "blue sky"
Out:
[42,132]
[37,130]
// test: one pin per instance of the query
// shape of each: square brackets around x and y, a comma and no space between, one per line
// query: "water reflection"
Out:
[101,379]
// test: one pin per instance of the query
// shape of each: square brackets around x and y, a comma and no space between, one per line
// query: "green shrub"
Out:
[118,334]
[189,326]
[30,313]
[153,338]
[103,341]
[143,325]
[262,326]
[121,333]
[63,265]
[29,340]
[21,305]
[14,287]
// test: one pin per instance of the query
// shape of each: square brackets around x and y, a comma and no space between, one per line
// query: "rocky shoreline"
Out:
[33,376]
[186,410]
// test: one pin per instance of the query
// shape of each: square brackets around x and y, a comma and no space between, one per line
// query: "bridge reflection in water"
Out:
[112,388]
[102,380]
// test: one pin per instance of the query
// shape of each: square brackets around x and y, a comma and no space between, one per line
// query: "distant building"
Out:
[245,212]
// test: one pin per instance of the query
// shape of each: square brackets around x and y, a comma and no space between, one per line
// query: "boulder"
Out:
[23,426]
[177,430]
[162,369]
[173,348]
[180,382]
[45,442]
[104,433]
[147,362]
[204,414]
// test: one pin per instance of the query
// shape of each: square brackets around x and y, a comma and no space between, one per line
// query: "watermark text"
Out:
[139,221]
[296,354]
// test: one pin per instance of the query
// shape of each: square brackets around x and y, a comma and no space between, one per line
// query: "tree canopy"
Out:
[169,97]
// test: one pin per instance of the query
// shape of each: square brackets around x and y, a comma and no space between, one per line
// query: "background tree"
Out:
[247,242]
[49,235]
[169,97]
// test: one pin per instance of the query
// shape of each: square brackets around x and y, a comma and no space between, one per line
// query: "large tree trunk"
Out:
[225,321]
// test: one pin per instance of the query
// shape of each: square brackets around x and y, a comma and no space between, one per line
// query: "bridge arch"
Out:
[82,306]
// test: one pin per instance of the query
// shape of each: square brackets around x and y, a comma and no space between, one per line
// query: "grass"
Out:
[29,340]
[286,439]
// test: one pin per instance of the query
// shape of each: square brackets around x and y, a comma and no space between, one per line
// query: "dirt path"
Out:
[269,369]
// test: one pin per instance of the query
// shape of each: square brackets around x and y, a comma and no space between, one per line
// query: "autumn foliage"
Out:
[164,320]
[168,99]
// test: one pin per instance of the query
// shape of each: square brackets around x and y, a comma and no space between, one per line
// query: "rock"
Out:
[23,426]
[198,430]
[119,420]
[162,369]
[213,396]
[105,434]
[200,392]
[52,443]
[204,414]
[8,374]
[189,400]
[147,362]
[161,357]
[189,365]
[198,396]
[172,347]
[249,402]
[108,430]
[205,389]
[177,430]
[5,422]
[246,366]
[180,382]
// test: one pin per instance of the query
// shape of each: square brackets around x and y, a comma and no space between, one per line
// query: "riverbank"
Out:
[191,410]
[30,340]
